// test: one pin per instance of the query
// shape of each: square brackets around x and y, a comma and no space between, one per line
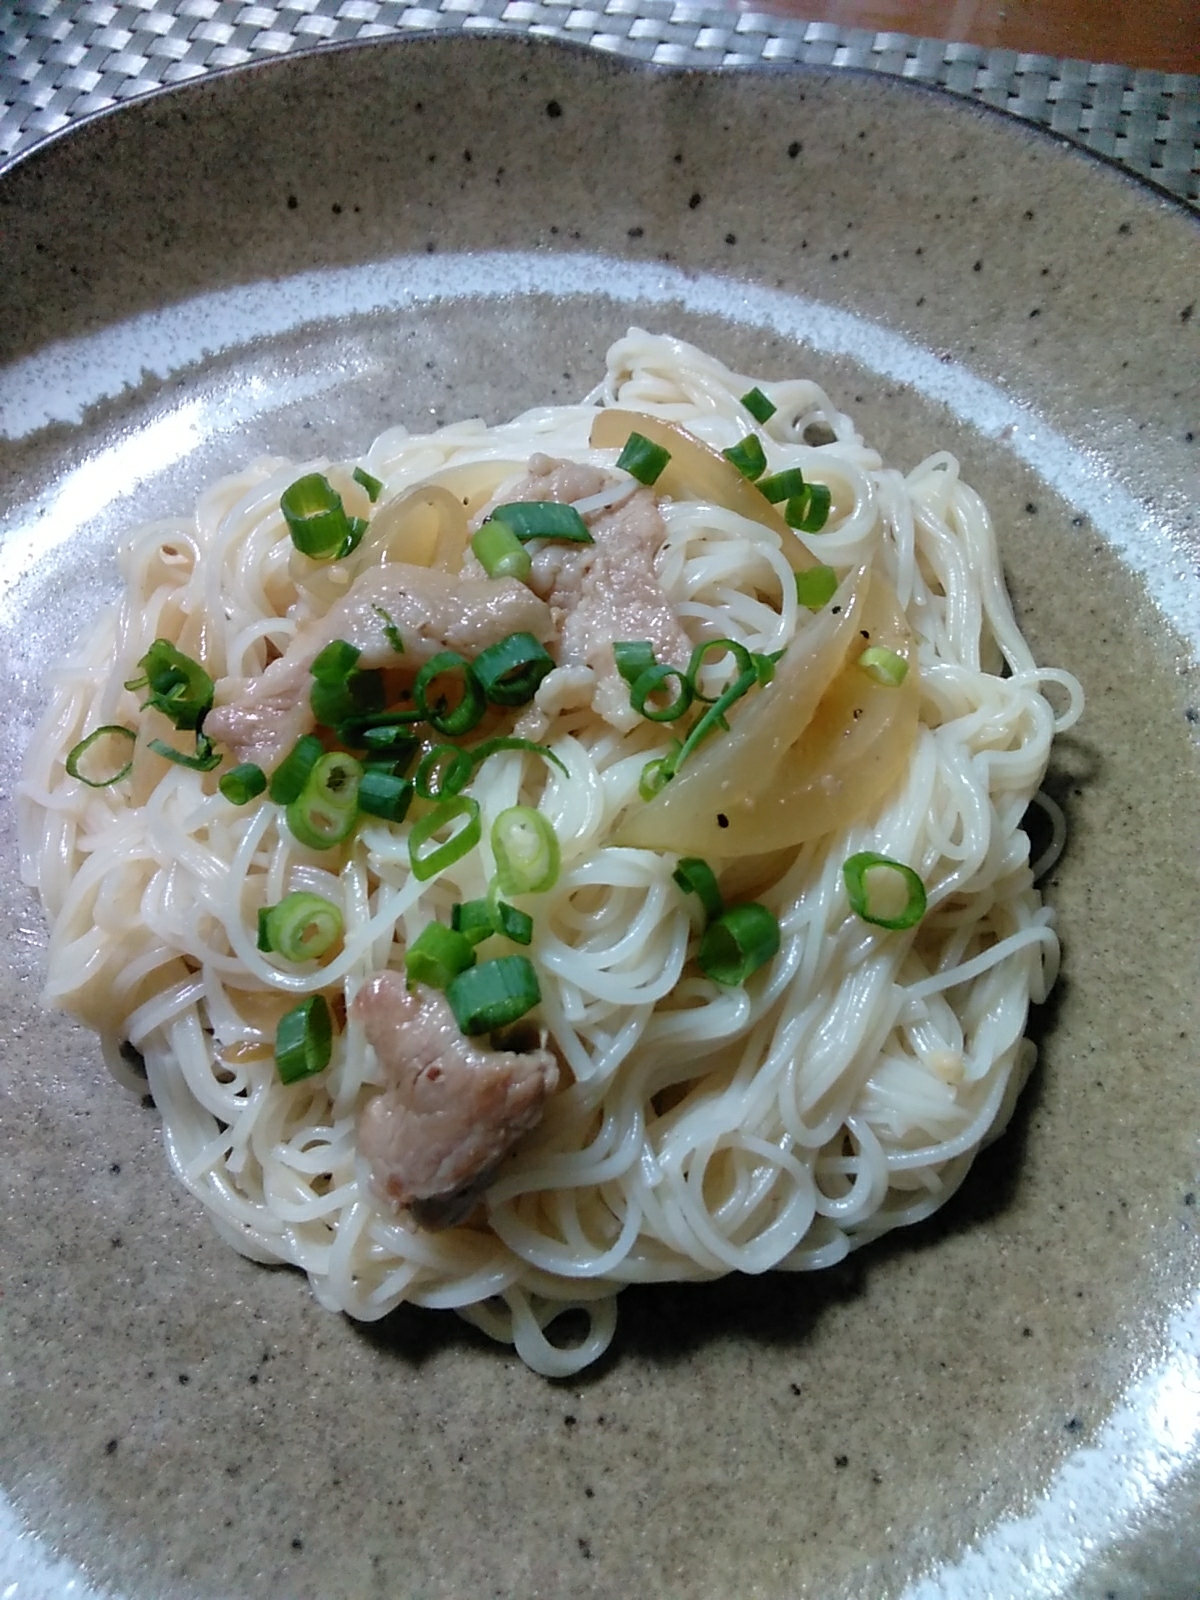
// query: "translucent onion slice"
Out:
[425,526]
[474,483]
[817,748]
[695,472]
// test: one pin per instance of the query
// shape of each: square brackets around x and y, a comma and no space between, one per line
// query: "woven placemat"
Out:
[64,58]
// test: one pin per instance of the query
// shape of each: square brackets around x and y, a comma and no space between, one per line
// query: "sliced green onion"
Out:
[358,695]
[302,927]
[882,891]
[509,672]
[741,657]
[288,780]
[748,457]
[444,855]
[695,876]
[383,794]
[493,994]
[513,923]
[179,687]
[304,1040]
[643,459]
[367,481]
[783,485]
[242,783]
[443,717]
[325,812]
[759,407]
[816,587]
[390,631]
[491,747]
[884,665]
[657,774]
[336,662]
[526,850]
[737,943]
[317,520]
[443,770]
[391,740]
[500,553]
[437,955]
[206,756]
[384,732]
[473,919]
[543,519]
[764,667]
[653,681]
[633,657]
[715,715]
[809,511]
[120,769]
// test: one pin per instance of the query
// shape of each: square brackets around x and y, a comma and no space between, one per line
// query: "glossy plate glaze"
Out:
[1005,1401]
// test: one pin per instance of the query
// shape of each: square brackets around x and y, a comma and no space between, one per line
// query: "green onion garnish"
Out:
[884,665]
[742,658]
[695,876]
[633,657]
[383,794]
[473,919]
[288,780]
[382,732]
[657,774]
[493,994]
[317,519]
[764,667]
[302,927]
[513,923]
[390,631]
[809,511]
[206,757]
[715,715]
[500,553]
[783,485]
[882,891]
[759,407]
[526,850]
[509,672]
[643,459]
[242,783]
[654,680]
[437,955]
[179,687]
[471,705]
[491,747]
[120,768]
[340,692]
[325,812]
[737,943]
[443,770]
[304,1040]
[748,457]
[816,587]
[444,855]
[367,481]
[542,519]
[336,662]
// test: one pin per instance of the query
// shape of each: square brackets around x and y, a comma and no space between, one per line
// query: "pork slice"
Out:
[260,719]
[452,1108]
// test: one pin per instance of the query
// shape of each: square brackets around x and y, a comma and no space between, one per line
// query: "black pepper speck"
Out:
[695,201]
[292,202]
[795,148]
[553,109]
[841,1461]
[110,1449]
[731,238]
[722,820]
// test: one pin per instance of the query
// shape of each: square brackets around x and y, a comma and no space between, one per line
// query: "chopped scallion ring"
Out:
[633,657]
[492,747]
[95,747]
[454,719]
[242,783]
[304,1040]
[737,943]
[340,692]
[526,850]
[509,672]
[643,459]
[367,481]
[653,681]
[656,775]
[179,687]
[446,854]
[513,923]
[748,457]
[443,770]
[324,813]
[335,662]
[437,955]
[473,919]
[783,485]
[542,519]
[288,780]
[884,665]
[390,631]
[500,553]
[206,757]
[809,510]
[884,892]
[383,794]
[317,520]
[759,407]
[493,994]
[695,876]
[302,927]
[741,658]
[715,715]
[816,587]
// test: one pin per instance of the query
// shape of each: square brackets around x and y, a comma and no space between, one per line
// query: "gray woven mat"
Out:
[63,58]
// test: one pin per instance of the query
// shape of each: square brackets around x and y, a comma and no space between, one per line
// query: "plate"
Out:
[288,258]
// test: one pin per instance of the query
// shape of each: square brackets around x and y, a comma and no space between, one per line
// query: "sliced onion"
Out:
[425,526]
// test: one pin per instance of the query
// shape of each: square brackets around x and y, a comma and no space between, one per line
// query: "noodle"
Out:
[697,1129]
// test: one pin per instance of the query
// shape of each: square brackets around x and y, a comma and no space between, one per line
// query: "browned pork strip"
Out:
[260,719]
[452,1108]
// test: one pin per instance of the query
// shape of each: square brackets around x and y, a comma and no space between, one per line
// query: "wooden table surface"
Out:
[1160,34]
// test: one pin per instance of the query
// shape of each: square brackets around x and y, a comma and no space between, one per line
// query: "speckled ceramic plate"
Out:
[1005,1401]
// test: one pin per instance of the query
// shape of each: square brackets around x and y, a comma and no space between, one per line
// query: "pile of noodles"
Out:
[697,1130]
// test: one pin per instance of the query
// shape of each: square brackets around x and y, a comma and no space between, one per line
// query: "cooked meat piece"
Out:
[561,481]
[452,1109]
[260,719]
